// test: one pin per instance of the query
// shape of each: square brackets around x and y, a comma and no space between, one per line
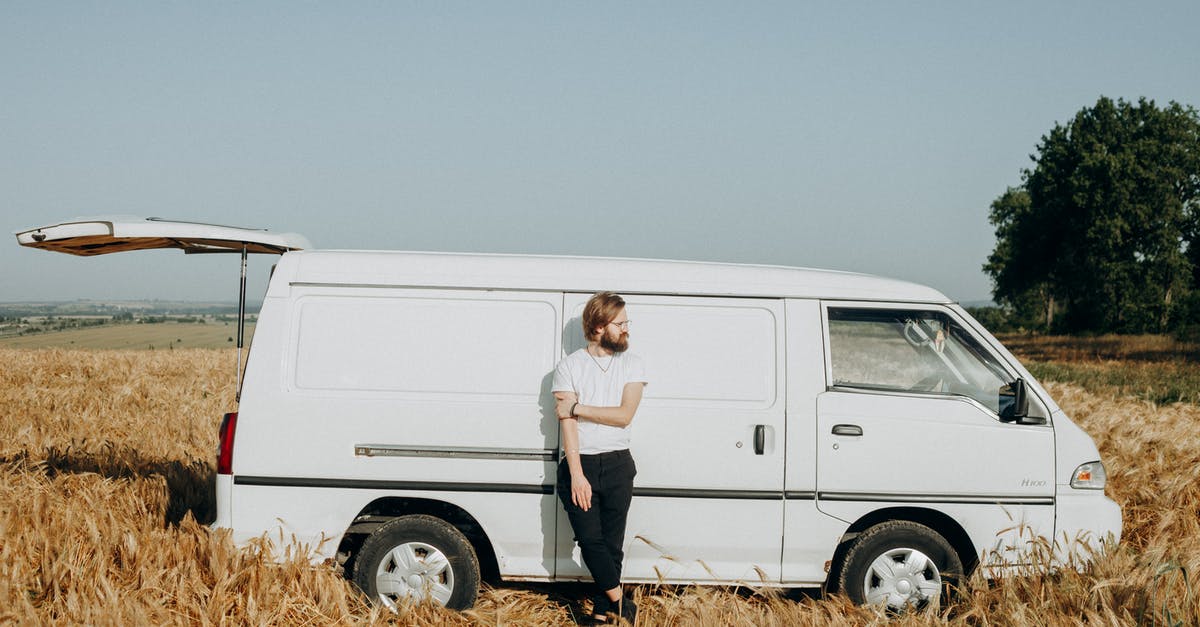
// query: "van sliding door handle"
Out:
[854,430]
[760,439]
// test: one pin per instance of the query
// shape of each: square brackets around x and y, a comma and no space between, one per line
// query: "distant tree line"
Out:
[17,325]
[1103,234]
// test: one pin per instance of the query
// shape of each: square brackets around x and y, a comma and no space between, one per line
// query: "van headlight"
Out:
[1089,476]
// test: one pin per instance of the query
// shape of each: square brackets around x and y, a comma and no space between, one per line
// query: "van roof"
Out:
[361,268]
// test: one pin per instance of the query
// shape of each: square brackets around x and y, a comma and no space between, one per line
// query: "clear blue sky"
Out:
[855,136]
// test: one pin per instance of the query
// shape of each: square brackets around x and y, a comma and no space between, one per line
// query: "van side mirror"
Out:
[1017,408]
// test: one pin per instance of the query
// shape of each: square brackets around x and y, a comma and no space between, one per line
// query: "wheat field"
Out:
[107,466]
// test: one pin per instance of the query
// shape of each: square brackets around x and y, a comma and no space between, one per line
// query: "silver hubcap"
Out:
[414,571]
[902,578]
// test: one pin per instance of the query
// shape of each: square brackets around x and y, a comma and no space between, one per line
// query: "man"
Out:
[598,389]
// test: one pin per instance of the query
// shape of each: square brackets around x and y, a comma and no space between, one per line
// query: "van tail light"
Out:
[1089,476]
[225,448]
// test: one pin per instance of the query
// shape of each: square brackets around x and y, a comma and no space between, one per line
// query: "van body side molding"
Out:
[986,499]
[690,493]
[456,452]
[374,484]
[510,488]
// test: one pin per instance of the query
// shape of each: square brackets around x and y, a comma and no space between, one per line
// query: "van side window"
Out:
[908,350]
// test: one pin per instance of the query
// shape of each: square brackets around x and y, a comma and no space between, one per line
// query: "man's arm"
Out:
[581,489]
[619,416]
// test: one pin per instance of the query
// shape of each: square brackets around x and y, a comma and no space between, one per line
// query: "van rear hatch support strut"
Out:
[237,396]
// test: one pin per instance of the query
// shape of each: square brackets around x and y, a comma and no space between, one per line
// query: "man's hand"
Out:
[565,401]
[581,491]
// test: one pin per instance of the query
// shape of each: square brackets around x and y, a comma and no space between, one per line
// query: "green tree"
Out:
[1021,263]
[1104,228]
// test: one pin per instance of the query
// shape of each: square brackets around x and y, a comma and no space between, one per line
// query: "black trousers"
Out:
[600,531]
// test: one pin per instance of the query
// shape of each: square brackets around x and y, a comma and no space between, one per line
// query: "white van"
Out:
[801,428]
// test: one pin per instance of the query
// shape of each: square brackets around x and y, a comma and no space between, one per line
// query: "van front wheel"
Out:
[417,558]
[901,565]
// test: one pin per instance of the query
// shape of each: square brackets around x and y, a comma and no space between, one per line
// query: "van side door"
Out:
[911,419]
[708,440]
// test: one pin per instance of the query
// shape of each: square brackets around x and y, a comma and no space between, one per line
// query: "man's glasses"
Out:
[624,326]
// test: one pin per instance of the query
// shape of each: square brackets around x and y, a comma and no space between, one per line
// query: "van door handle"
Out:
[760,439]
[854,430]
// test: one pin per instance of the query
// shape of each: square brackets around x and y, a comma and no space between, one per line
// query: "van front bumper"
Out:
[1085,521]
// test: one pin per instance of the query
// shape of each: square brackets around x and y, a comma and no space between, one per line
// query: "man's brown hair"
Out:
[601,309]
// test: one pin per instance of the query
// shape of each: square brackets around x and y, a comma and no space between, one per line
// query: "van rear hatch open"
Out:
[114,234]
[89,237]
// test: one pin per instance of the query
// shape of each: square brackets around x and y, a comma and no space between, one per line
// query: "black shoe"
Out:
[629,609]
[602,606]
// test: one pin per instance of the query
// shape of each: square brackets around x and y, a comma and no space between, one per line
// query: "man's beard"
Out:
[616,345]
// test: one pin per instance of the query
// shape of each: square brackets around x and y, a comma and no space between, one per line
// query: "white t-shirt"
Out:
[599,382]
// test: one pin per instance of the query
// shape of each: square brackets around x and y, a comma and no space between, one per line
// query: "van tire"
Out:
[418,558]
[901,564]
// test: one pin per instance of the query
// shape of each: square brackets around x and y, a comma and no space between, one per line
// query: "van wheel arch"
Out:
[381,511]
[946,526]
[418,558]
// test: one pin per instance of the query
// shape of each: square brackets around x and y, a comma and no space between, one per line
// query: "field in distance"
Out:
[159,336]
[144,324]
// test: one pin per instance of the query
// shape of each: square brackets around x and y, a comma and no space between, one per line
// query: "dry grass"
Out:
[106,466]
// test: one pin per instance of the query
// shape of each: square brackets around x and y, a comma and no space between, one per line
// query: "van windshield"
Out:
[909,350]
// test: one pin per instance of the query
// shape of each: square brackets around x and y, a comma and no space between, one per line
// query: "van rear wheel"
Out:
[901,565]
[417,558]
